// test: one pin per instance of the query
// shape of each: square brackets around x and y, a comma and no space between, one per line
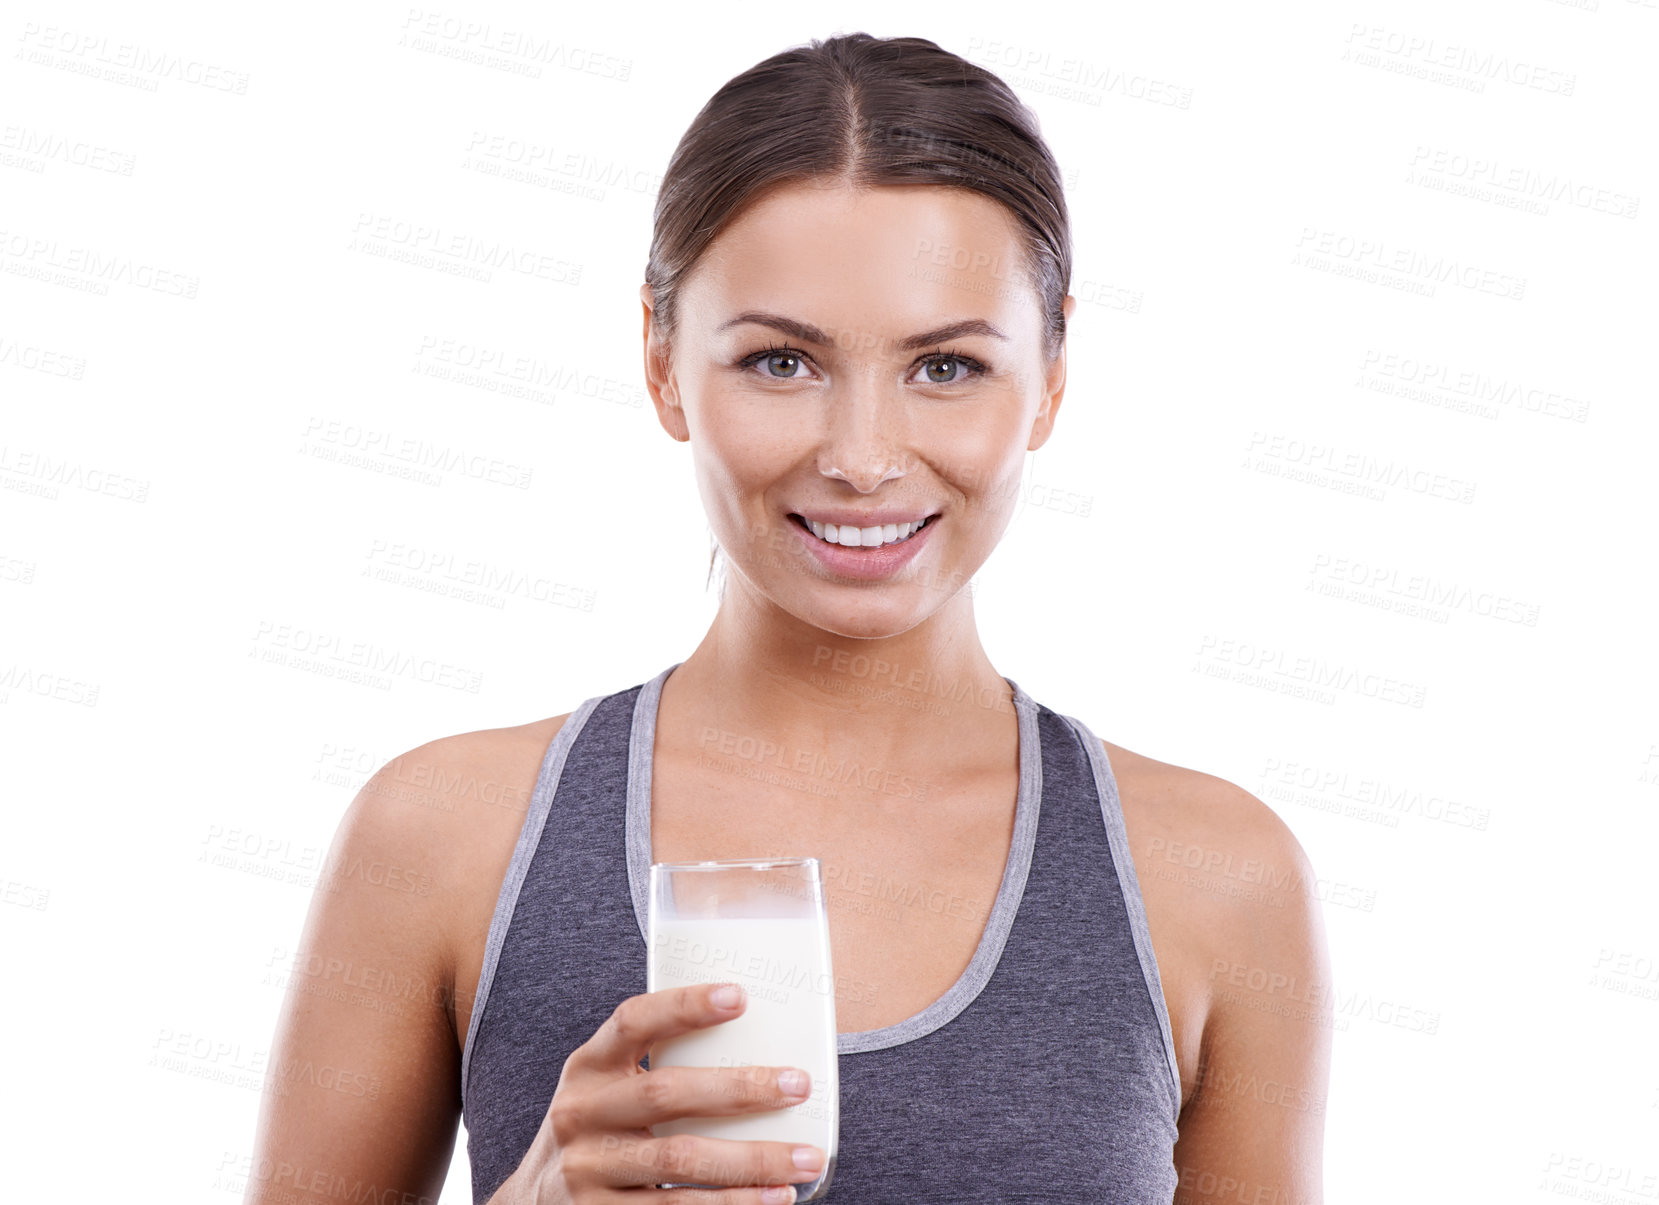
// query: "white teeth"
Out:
[865,537]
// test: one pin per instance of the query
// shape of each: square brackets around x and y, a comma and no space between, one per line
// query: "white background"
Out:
[182,508]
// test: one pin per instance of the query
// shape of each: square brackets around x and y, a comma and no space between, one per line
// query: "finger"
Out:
[777,1194]
[640,1022]
[663,1093]
[636,1159]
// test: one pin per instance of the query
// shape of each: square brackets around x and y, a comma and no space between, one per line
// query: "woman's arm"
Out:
[1253,1129]
[368,1035]
[363,1094]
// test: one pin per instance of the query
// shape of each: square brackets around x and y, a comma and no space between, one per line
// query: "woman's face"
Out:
[810,374]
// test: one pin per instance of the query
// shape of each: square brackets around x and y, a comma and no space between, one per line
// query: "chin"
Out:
[864,619]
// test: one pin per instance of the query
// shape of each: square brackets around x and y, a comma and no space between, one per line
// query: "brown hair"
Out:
[868,111]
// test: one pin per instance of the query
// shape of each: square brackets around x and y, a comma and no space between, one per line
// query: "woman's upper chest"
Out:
[909,888]
[910,883]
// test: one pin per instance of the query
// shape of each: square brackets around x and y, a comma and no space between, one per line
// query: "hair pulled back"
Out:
[866,111]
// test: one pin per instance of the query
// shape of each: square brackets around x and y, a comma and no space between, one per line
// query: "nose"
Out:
[863,444]
[857,480]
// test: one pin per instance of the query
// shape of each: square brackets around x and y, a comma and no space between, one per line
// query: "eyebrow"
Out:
[807,333]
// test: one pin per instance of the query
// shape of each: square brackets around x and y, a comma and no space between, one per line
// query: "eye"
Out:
[779,362]
[959,367]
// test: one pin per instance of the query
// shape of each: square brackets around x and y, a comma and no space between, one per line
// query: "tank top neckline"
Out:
[641,749]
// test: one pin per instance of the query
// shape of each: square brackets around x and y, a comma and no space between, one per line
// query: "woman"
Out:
[1064,971]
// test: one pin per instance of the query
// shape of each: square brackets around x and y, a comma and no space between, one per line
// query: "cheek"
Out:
[741,450]
[984,459]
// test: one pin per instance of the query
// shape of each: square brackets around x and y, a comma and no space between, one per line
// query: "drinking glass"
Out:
[760,923]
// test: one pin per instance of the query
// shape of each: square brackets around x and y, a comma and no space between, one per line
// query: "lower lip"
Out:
[868,564]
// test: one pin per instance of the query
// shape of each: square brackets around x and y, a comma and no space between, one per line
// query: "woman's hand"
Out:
[595,1139]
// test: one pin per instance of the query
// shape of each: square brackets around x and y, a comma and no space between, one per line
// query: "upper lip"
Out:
[853,518]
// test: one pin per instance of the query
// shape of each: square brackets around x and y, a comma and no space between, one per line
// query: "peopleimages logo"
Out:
[1376,262]
[44,360]
[39,147]
[1261,664]
[86,50]
[1365,796]
[334,656]
[30,471]
[372,445]
[82,267]
[1418,379]
[517,51]
[1386,586]
[1359,466]
[1418,54]
[1072,78]
[1487,176]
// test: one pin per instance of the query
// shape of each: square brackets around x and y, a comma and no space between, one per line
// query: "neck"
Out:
[762,669]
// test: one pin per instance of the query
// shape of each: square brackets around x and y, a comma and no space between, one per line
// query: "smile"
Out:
[862,537]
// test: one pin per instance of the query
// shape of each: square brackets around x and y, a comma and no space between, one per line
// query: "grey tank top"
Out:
[1045,1073]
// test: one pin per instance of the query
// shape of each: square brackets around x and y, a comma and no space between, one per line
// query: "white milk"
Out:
[789,1020]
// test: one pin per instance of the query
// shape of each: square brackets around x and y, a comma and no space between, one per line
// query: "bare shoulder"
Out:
[1216,864]
[454,807]
[1213,830]
[1233,905]
[456,794]
[379,983]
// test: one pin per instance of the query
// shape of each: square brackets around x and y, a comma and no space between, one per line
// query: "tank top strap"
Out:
[553,765]
[1129,887]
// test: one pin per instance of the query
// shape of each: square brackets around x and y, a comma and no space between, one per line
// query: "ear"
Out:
[659,375]
[1054,386]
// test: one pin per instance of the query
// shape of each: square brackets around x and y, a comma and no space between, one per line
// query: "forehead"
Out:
[891,259]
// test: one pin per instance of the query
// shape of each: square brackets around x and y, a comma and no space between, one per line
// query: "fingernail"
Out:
[729,996]
[808,1158]
[778,1196]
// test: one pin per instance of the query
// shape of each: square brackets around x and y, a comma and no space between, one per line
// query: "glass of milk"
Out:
[760,923]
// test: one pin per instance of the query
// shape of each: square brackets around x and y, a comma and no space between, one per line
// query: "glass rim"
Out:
[734,864]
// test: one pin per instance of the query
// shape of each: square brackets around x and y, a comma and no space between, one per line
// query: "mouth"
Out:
[862,539]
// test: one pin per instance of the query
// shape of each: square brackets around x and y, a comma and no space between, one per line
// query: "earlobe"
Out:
[1043,427]
[673,421]
[1054,392]
[659,376]
[659,383]
[667,401]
